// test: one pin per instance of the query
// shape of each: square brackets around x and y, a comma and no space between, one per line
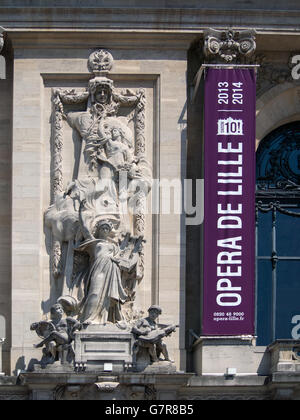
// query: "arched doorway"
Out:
[278,235]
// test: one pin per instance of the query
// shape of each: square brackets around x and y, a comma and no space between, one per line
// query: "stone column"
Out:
[1,343]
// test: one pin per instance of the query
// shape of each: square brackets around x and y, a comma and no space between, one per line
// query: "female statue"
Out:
[104,292]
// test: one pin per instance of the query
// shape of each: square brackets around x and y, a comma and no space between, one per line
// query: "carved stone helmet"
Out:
[98,82]
[112,222]
[155,308]
[105,222]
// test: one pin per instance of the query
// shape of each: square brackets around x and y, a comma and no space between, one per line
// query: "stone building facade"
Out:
[147,57]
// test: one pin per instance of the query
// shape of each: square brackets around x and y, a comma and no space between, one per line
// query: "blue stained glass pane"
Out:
[264,303]
[288,235]
[278,184]
[288,293]
[264,234]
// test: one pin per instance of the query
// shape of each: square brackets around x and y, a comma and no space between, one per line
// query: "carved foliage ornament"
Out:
[278,160]
[228,46]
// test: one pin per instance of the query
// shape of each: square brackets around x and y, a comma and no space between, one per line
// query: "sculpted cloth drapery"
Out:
[103,284]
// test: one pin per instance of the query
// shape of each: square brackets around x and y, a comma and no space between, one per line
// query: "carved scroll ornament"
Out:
[228,46]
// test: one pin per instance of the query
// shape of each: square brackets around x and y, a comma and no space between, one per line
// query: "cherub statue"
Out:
[58,335]
[149,335]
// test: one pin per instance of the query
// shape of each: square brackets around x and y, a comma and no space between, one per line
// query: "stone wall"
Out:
[156,47]
[43,62]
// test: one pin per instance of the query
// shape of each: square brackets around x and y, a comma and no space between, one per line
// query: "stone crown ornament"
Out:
[100,61]
[228,46]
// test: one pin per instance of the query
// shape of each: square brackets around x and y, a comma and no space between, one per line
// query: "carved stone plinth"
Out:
[161,367]
[220,354]
[104,348]
[144,365]
[285,356]
[56,367]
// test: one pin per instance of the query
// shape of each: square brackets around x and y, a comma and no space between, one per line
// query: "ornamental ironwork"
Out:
[278,162]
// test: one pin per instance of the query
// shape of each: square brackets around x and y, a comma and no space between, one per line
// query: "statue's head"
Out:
[100,89]
[117,129]
[103,228]
[56,311]
[116,133]
[154,311]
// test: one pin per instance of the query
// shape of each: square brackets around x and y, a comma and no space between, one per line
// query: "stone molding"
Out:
[137,386]
[60,39]
[134,17]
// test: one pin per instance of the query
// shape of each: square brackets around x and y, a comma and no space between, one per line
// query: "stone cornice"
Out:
[59,39]
[147,18]
[158,40]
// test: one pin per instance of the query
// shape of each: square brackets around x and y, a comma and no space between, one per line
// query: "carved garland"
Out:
[139,220]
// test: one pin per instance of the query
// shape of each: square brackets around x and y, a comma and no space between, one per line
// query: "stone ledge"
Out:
[161,4]
[8,380]
[164,18]
[284,356]
[226,340]
[214,355]
[222,381]
[285,377]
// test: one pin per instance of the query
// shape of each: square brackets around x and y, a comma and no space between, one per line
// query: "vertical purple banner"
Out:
[229,207]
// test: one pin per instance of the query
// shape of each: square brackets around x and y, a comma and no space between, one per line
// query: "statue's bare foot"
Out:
[38,345]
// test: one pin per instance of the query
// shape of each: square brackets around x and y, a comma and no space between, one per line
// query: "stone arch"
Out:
[276,107]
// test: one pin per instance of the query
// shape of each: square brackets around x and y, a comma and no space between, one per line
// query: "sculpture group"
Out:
[96,219]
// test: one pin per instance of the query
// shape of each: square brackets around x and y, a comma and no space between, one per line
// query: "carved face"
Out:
[104,230]
[102,94]
[115,133]
[57,311]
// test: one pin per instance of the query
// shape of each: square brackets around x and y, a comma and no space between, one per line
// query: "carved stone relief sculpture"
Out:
[97,219]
